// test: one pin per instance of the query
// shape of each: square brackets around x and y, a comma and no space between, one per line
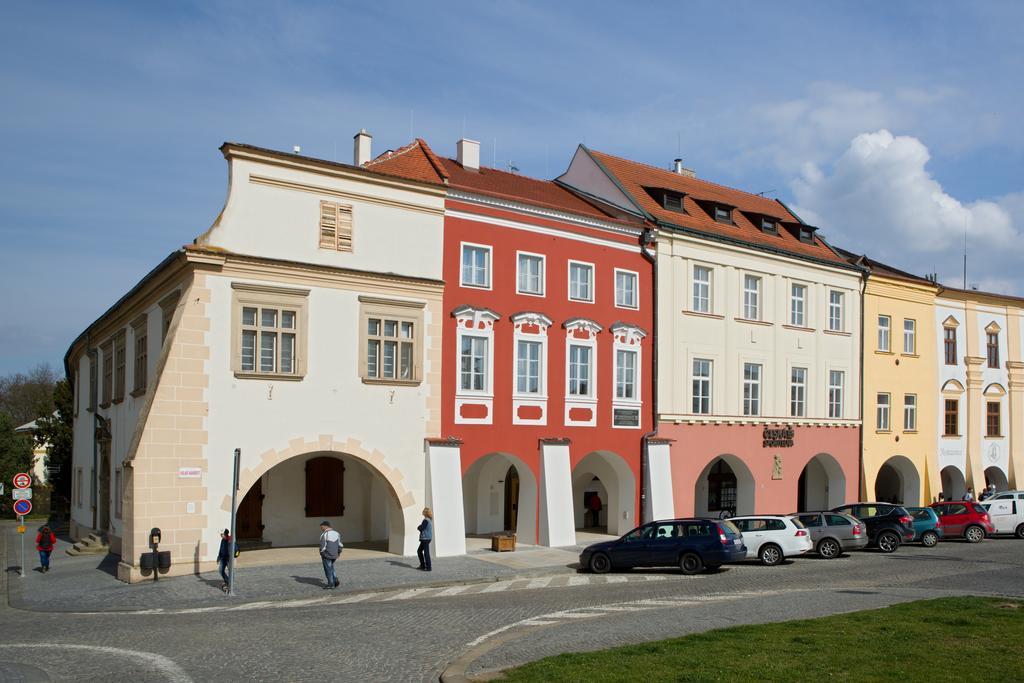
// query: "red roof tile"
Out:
[635,177]
[415,161]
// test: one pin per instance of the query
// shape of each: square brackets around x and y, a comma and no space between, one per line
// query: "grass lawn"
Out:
[931,640]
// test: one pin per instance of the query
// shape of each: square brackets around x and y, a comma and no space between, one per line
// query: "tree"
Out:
[15,456]
[25,397]
[56,431]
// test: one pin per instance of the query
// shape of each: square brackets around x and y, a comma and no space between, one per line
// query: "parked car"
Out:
[964,518]
[889,525]
[1006,514]
[927,526]
[690,544]
[772,538]
[1006,495]
[833,533]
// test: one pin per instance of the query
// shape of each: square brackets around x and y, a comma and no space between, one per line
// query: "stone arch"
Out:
[745,488]
[618,485]
[952,387]
[954,485]
[822,484]
[402,505]
[898,479]
[484,496]
[995,475]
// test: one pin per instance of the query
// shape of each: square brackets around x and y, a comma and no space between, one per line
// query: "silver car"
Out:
[833,533]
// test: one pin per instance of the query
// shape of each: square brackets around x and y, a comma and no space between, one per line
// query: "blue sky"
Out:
[893,126]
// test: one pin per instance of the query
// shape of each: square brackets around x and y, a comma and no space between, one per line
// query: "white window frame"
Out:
[751,403]
[752,295]
[488,267]
[797,392]
[836,314]
[540,323]
[883,412]
[910,413]
[628,338]
[593,279]
[835,394]
[706,384]
[519,273]
[474,322]
[910,335]
[636,289]
[591,370]
[885,334]
[793,300]
[590,399]
[709,286]
[619,382]
[247,295]
[401,313]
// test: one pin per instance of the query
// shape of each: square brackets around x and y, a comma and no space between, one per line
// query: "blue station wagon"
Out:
[690,544]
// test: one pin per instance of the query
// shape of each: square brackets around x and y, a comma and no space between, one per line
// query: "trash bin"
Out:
[503,542]
[146,562]
[164,560]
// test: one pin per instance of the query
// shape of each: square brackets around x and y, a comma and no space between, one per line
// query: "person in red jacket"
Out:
[45,540]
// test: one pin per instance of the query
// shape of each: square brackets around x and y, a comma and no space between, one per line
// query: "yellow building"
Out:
[900,383]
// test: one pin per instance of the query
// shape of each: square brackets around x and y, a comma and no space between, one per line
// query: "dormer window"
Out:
[723,214]
[806,235]
[769,226]
[672,202]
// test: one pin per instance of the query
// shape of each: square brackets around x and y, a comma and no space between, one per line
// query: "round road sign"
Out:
[22,507]
[22,480]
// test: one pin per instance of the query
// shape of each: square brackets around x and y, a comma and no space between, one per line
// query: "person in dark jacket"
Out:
[330,550]
[224,556]
[426,529]
[45,540]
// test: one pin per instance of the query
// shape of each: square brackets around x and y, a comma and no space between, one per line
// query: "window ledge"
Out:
[268,375]
[883,431]
[539,295]
[910,355]
[571,398]
[753,322]
[581,301]
[798,328]
[994,438]
[529,397]
[469,286]
[884,353]
[910,431]
[951,436]
[628,308]
[700,314]
[141,391]
[395,382]
[838,333]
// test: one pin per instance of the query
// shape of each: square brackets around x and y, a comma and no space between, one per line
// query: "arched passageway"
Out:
[285,505]
[953,483]
[608,477]
[724,488]
[500,494]
[898,481]
[822,484]
[994,475]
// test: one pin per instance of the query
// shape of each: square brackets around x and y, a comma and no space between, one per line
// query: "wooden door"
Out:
[511,499]
[325,487]
[249,523]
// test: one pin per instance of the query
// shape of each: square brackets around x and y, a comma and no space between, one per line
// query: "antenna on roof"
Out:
[764,192]
[512,168]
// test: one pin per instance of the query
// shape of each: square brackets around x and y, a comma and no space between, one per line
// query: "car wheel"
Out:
[929,539]
[690,563]
[770,554]
[888,542]
[1019,533]
[829,548]
[974,534]
[600,564]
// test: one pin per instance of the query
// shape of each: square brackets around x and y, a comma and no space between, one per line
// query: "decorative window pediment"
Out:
[627,334]
[993,328]
[529,322]
[952,387]
[995,389]
[475,318]
[581,327]
[951,322]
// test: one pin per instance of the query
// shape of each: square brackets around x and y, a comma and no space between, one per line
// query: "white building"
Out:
[302,328]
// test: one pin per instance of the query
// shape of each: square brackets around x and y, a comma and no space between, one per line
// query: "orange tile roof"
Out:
[417,161]
[634,177]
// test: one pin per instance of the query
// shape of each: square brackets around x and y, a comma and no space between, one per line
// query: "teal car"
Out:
[927,526]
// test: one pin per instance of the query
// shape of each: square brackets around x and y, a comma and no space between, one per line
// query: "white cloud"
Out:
[879,198]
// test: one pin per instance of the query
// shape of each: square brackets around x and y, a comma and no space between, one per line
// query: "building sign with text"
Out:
[781,437]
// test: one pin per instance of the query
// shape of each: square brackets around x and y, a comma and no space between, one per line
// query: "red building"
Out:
[547,359]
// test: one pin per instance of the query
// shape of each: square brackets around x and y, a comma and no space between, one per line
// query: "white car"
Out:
[771,538]
[1006,510]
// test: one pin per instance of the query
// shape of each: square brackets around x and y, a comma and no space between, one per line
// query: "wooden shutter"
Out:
[335,226]
[325,478]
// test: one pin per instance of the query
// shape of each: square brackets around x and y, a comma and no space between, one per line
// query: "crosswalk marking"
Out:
[454,590]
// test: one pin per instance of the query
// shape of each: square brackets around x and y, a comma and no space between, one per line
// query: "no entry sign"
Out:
[22,480]
[22,507]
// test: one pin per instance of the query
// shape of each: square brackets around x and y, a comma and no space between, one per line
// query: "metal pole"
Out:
[21,522]
[234,511]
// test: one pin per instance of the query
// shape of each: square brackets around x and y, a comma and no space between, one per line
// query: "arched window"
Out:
[325,477]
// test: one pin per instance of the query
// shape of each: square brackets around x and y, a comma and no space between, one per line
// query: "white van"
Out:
[1006,510]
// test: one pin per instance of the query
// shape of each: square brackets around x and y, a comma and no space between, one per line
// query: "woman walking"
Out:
[426,529]
[45,540]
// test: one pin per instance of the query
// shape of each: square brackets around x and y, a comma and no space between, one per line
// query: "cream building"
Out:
[302,328]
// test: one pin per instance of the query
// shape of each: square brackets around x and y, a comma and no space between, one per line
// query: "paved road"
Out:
[417,634]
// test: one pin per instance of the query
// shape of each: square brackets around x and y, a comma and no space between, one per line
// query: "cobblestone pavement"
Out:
[426,632]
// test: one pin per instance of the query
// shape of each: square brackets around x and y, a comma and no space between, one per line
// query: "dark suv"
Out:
[889,525]
[690,544]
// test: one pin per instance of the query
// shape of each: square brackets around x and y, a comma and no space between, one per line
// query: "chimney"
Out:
[361,147]
[468,153]
[677,167]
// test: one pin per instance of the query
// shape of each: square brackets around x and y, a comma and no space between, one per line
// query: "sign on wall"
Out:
[626,417]
[190,472]
[777,437]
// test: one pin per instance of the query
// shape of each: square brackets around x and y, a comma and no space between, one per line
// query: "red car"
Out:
[966,519]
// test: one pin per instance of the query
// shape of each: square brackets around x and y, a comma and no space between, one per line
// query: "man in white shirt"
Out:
[330,549]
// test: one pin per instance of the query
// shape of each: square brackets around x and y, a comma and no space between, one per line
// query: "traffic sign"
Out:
[21,494]
[22,480]
[22,507]
[21,529]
